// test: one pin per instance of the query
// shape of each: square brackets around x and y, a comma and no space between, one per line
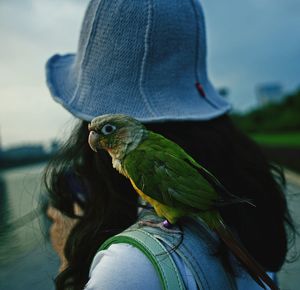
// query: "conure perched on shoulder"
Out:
[168,178]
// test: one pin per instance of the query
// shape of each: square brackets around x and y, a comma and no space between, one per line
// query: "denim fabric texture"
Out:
[195,257]
[144,58]
[194,253]
[197,248]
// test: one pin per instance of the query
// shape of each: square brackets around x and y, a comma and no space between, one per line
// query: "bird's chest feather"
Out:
[118,166]
[162,210]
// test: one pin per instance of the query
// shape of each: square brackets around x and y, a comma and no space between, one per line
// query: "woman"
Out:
[147,59]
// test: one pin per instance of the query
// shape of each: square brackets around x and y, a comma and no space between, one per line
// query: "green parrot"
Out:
[169,179]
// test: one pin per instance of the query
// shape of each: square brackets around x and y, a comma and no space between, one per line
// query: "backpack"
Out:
[196,246]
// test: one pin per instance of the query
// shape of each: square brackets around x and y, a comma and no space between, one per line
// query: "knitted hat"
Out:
[144,58]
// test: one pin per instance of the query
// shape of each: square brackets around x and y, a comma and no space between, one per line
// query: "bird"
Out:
[170,180]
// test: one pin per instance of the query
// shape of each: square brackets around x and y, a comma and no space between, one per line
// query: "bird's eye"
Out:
[107,129]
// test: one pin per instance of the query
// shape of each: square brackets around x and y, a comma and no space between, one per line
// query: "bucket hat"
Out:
[144,58]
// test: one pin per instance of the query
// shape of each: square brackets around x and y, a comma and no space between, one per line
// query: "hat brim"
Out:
[63,87]
[59,79]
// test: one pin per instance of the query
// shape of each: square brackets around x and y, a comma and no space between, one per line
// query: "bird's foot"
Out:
[165,226]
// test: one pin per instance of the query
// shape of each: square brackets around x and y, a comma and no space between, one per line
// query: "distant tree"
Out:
[273,118]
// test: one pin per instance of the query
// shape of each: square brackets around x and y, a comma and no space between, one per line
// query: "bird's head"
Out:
[117,134]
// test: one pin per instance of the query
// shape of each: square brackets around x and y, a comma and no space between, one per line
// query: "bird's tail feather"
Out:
[253,268]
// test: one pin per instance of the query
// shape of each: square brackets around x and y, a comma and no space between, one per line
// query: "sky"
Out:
[250,42]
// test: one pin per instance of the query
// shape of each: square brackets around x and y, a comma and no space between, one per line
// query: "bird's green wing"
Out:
[165,172]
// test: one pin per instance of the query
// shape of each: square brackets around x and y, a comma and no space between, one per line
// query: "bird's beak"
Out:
[94,141]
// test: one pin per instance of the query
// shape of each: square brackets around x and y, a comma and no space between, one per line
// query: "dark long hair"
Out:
[111,204]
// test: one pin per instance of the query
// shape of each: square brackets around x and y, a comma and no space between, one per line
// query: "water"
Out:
[27,260]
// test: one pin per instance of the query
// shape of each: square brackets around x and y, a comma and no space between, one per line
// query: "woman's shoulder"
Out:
[122,266]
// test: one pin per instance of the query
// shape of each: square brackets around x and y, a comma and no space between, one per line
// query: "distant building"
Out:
[23,155]
[24,151]
[0,141]
[224,92]
[1,151]
[54,147]
[269,93]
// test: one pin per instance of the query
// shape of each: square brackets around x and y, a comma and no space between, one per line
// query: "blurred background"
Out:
[253,59]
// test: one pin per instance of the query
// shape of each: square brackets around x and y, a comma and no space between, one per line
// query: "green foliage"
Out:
[276,127]
[273,118]
[284,140]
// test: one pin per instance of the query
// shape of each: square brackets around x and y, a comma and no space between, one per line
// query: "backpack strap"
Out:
[155,251]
